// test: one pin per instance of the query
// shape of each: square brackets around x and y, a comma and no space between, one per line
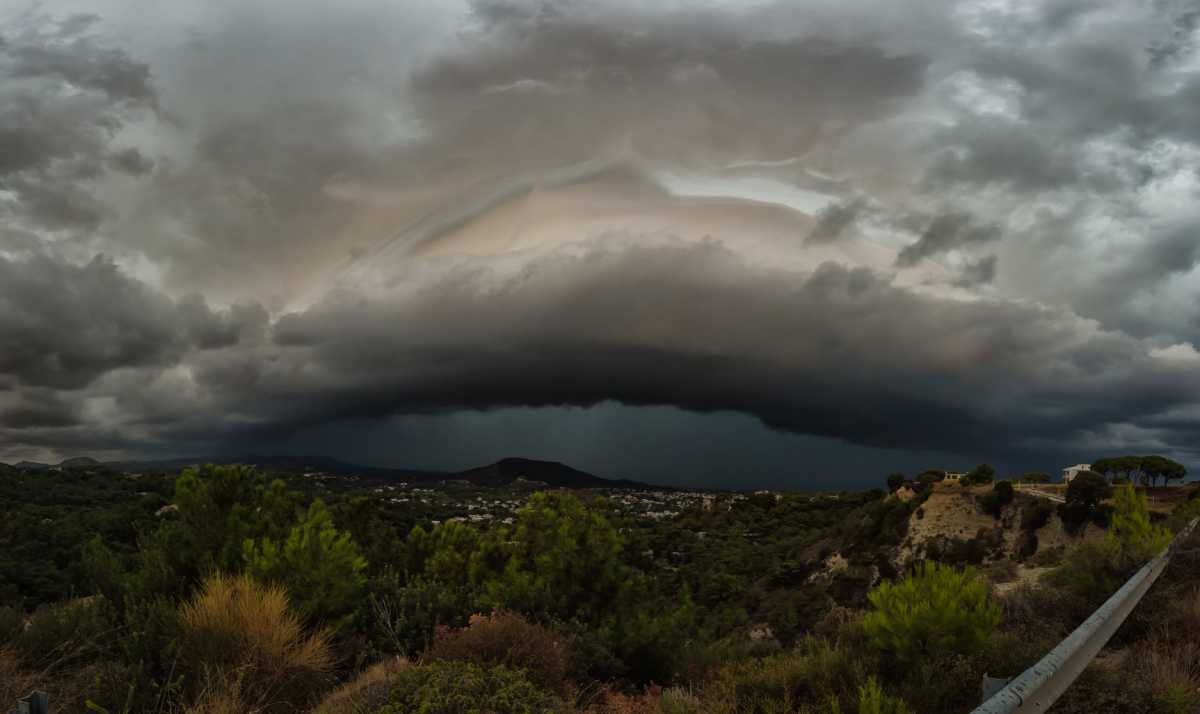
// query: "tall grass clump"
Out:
[240,639]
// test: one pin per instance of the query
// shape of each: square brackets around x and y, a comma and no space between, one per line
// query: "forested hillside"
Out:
[223,589]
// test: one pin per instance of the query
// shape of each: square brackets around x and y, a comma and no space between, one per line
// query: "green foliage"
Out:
[1036,514]
[457,687]
[884,522]
[1034,477]
[819,675]
[1185,512]
[219,509]
[934,610]
[1131,529]
[44,526]
[980,475]
[1147,469]
[895,481]
[1085,493]
[402,619]
[74,631]
[951,550]
[317,564]
[1093,570]
[873,700]
[564,560]
[443,553]
[994,501]
[1156,467]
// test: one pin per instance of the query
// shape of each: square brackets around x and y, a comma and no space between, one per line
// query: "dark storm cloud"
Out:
[838,352]
[836,220]
[1018,155]
[64,325]
[946,232]
[63,96]
[37,409]
[980,272]
[213,330]
[689,85]
[131,160]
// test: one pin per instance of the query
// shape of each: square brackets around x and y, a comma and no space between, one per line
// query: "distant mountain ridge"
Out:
[502,473]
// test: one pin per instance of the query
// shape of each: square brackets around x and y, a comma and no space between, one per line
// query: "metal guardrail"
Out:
[1042,684]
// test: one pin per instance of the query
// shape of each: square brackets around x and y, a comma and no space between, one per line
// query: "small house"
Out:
[1070,472]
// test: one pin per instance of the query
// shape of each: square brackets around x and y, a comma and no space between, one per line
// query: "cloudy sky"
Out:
[796,243]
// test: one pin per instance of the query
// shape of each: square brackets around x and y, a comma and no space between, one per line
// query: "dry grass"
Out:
[1175,676]
[610,701]
[242,643]
[366,693]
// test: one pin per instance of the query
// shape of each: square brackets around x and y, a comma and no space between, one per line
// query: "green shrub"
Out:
[873,700]
[815,674]
[1046,557]
[1036,514]
[318,565]
[933,610]
[1131,529]
[1085,494]
[980,475]
[71,632]
[1184,513]
[455,687]
[994,501]
[1092,570]
[403,618]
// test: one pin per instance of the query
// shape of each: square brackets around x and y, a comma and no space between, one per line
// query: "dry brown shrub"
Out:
[839,624]
[221,699]
[1174,675]
[366,693]
[15,682]
[241,640]
[508,639]
[1187,625]
[611,701]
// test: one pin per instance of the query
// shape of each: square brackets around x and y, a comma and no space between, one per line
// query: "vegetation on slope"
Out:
[250,594]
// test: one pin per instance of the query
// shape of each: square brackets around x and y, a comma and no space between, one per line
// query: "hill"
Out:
[80,462]
[551,473]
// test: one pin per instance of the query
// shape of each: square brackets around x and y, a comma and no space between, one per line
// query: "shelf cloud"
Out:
[966,227]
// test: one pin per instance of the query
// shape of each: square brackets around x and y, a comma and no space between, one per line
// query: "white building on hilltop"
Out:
[1069,473]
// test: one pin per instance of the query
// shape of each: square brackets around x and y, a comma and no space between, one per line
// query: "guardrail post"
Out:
[38,702]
